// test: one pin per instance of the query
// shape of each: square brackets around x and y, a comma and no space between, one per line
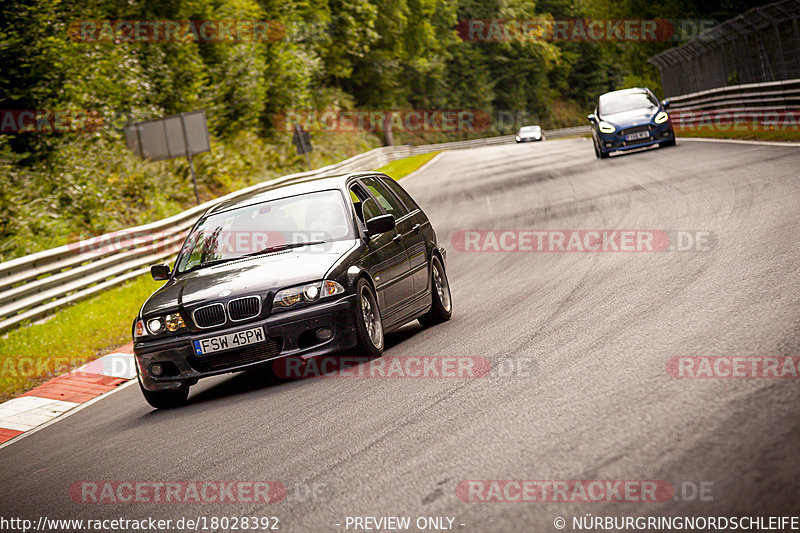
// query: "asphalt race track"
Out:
[578,342]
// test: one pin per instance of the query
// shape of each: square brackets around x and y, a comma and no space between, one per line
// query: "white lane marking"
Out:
[71,412]
[738,141]
[27,412]
[423,167]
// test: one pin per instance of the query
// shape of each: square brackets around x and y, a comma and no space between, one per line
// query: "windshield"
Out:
[530,129]
[260,228]
[621,102]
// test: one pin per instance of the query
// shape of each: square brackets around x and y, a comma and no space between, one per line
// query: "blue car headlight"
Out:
[605,127]
[661,117]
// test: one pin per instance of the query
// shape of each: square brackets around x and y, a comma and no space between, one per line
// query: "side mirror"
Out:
[160,272]
[380,224]
[591,118]
[665,104]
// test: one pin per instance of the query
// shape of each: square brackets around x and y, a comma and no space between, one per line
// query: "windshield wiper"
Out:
[281,247]
[207,263]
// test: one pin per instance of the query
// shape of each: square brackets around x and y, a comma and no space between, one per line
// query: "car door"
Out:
[413,226]
[386,259]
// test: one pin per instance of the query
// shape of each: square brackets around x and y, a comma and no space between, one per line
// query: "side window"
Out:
[364,205]
[391,204]
[357,204]
[400,193]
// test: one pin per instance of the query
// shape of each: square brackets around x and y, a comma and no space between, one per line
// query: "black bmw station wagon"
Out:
[300,270]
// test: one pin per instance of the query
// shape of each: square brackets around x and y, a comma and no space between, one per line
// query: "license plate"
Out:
[638,135]
[229,341]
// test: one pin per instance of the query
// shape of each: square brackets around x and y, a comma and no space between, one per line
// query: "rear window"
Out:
[384,197]
[401,193]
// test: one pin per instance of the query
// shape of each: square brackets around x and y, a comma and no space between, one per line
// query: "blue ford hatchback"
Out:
[628,119]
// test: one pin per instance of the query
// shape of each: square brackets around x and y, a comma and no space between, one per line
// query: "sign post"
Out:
[181,135]
[302,141]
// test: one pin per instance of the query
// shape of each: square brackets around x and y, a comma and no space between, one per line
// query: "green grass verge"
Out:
[757,135]
[403,167]
[30,355]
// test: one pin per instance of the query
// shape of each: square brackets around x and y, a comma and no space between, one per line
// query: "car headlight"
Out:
[155,325]
[661,117]
[138,330]
[172,323]
[307,293]
[605,127]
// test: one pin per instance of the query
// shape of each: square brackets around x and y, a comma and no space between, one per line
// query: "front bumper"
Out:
[289,333]
[615,142]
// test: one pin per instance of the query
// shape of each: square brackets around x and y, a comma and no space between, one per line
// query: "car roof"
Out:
[323,183]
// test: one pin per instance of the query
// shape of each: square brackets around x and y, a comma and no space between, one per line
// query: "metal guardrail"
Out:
[754,105]
[767,96]
[39,284]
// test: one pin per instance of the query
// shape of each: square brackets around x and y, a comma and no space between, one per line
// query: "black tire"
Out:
[370,340]
[598,152]
[665,144]
[442,305]
[165,399]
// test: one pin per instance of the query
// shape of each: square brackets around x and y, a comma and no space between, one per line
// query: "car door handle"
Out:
[416,228]
[397,238]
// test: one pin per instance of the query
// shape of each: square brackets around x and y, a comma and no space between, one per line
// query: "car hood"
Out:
[247,276]
[636,117]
